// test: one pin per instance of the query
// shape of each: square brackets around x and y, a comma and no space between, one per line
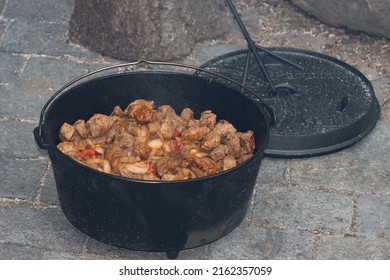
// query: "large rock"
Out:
[370,16]
[150,29]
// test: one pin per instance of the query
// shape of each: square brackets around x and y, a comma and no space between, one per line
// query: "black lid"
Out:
[328,106]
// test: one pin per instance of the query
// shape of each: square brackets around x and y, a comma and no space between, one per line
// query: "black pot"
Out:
[153,215]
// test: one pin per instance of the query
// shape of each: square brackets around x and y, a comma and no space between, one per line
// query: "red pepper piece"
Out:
[88,152]
[176,134]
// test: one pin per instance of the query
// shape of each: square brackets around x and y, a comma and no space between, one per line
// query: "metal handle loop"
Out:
[269,110]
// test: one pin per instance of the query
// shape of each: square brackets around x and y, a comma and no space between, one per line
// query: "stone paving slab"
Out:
[38,11]
[293,208]
[373,216]
[18,141]
[352,248]
[40,78]
[259,243]
[42,228]
[41,38]
[13,174]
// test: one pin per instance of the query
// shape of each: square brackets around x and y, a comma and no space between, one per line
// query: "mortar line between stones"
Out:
[40,185]
[315,248]
[353,227]
[9,202]
[3,10]
[66,57]
[21,120]
[287,174]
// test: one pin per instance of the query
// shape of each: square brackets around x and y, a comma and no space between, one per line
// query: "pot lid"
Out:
[324,108]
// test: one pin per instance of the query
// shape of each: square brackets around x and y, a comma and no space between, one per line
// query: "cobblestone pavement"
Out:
[330,207]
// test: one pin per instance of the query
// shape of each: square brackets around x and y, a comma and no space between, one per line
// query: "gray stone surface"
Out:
[13,176]
[257,243]
[353,248]
[292,208]
[18,140]
[370,16]
[373,216]
[329,207]
[40,38]
[27,94]
[40,11]
[42,228]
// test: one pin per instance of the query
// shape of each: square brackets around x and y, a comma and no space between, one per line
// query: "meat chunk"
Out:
[142,150]
[99,124]
[207,165]
[126,140]
[247,142]
[170,124]
[162,111]
[211,141]
[196,133]
[66,132]
[223,128]
[167,165]
[219,152]
[81,128]
[141,110]
[208,118]
[232,141]
[187,114]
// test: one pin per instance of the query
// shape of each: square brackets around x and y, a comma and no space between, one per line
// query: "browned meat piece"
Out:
[207,165]
[162,112]
[197,133]
[187,114]
[139,102]
[232,141]
[153,127]
[66,132]
[167,128]
[117,112]
[223,128]
[193,123]
[126,140]
[211,141]
[142,150]
[68,148]
[99,124]
[141,132]
[167,165]
[171,124]
[228,162]
[141,110]
[208,118]
[247,142]
[81,128]
[219,152]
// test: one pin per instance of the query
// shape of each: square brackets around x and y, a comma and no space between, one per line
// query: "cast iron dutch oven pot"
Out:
[153,215]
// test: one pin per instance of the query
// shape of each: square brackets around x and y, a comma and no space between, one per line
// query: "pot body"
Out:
[154,215]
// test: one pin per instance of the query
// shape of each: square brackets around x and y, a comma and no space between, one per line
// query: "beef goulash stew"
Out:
[142,142]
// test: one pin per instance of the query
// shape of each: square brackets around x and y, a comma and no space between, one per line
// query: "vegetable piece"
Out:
[88,152]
